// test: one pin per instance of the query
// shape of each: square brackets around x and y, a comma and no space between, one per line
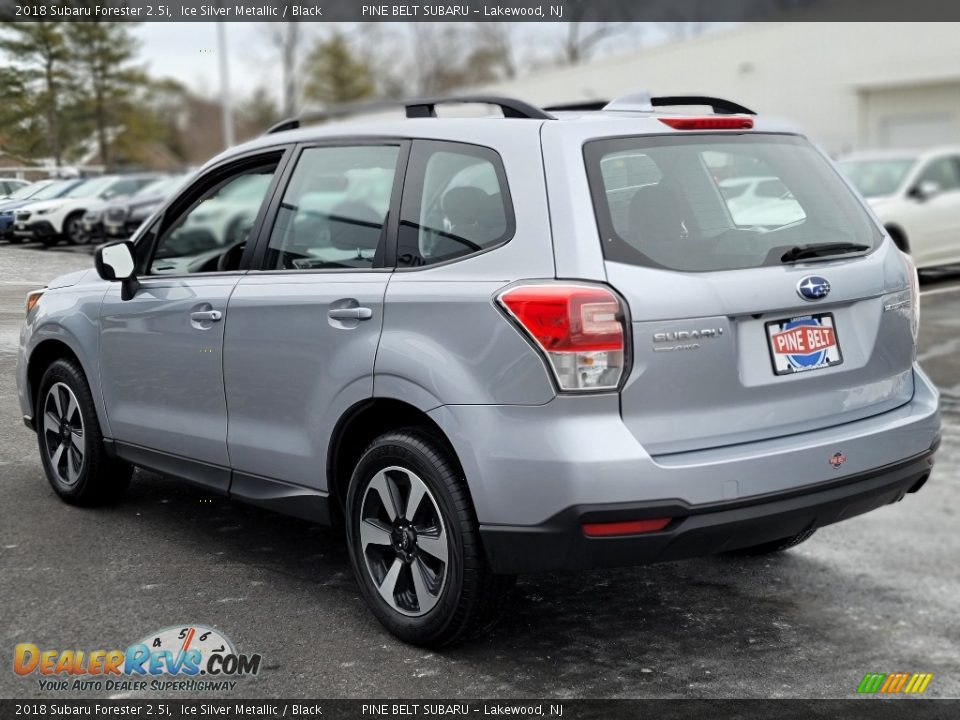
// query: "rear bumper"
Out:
[559,543]
[536,472]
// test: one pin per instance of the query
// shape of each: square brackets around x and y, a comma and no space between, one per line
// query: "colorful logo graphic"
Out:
[803,343]
[894,683]
[184,652]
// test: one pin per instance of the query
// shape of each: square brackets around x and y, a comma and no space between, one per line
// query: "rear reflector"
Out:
[580,329]
[626,527]
[708,123]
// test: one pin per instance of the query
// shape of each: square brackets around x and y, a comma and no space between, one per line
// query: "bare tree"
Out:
[498,42]
[286,37]
[582,38]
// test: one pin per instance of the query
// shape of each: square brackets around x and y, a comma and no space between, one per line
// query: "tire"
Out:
[73,230]
[774,546]
[81,473]
[455,600]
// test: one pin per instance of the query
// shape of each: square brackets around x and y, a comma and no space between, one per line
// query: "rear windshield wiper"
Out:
[802,252]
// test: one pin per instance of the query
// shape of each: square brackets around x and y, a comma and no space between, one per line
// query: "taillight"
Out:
[579,328]
[914,281]
[708,123]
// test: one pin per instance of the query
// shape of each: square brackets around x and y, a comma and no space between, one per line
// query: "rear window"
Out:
[707,202]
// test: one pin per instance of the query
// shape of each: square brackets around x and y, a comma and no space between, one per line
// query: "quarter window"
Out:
[334,211]
[457,204]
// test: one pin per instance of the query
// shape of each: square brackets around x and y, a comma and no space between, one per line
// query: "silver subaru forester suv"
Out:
[578,337]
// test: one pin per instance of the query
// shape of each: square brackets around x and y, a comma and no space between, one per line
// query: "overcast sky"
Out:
[188,51]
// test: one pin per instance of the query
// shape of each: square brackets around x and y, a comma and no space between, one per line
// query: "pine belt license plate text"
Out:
[808,342]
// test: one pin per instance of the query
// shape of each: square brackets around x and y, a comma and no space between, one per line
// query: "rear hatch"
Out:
[762,298]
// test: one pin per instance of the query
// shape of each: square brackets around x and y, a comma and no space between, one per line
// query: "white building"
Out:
[849,85]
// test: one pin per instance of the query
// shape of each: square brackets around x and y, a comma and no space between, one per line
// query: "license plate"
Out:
[21,226]
[800,344]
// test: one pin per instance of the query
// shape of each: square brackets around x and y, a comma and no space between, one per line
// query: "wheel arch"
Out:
[43,356]
[360,425]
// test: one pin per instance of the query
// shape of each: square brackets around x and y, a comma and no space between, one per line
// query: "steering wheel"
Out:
[230,260]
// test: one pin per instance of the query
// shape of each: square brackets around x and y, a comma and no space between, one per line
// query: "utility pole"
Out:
[225,103]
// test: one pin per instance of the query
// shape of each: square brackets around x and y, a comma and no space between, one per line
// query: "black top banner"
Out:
[479,10]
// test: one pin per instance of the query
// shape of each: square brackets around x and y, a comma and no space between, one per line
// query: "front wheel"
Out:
[71,445]
[414,543]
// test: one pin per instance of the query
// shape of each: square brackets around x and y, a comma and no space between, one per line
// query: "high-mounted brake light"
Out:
[708,123]
[579,328]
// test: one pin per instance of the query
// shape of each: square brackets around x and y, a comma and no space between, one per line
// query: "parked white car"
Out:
[916,195]
[51,221]
[8,186]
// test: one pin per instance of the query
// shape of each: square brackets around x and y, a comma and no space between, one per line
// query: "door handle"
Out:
[206,315]
[354,313]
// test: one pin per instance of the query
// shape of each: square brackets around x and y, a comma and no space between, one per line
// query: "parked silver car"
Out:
[499,345]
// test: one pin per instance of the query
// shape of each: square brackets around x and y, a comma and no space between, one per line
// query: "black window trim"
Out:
[279,154]
[259,257]
[420,153]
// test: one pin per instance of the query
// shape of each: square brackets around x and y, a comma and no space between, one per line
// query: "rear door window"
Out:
[455,204]
[334,210]
[708,202]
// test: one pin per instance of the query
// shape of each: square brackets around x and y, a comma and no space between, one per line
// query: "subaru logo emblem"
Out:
[813,287]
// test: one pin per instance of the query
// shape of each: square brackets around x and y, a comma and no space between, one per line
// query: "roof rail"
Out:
[339,111]
[511,108]
[582,105]
[718,105]
[414,109]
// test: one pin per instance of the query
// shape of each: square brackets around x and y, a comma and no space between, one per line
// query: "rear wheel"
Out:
[71,444]
[414,543]
[775,546]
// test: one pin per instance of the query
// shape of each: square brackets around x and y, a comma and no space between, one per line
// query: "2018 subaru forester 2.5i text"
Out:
[487,346]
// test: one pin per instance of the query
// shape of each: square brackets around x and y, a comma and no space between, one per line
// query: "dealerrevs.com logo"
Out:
[187,658]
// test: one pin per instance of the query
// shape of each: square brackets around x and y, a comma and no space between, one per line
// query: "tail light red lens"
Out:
[625,527]
[914,280]
[579,328]
[708,123]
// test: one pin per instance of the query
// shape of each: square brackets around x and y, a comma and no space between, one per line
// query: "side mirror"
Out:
[115,262]
[925,190]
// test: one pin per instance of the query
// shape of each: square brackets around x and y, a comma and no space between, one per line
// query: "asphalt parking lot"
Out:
[876,594]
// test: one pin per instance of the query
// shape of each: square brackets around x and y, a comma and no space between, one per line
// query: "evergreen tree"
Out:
[334,74]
